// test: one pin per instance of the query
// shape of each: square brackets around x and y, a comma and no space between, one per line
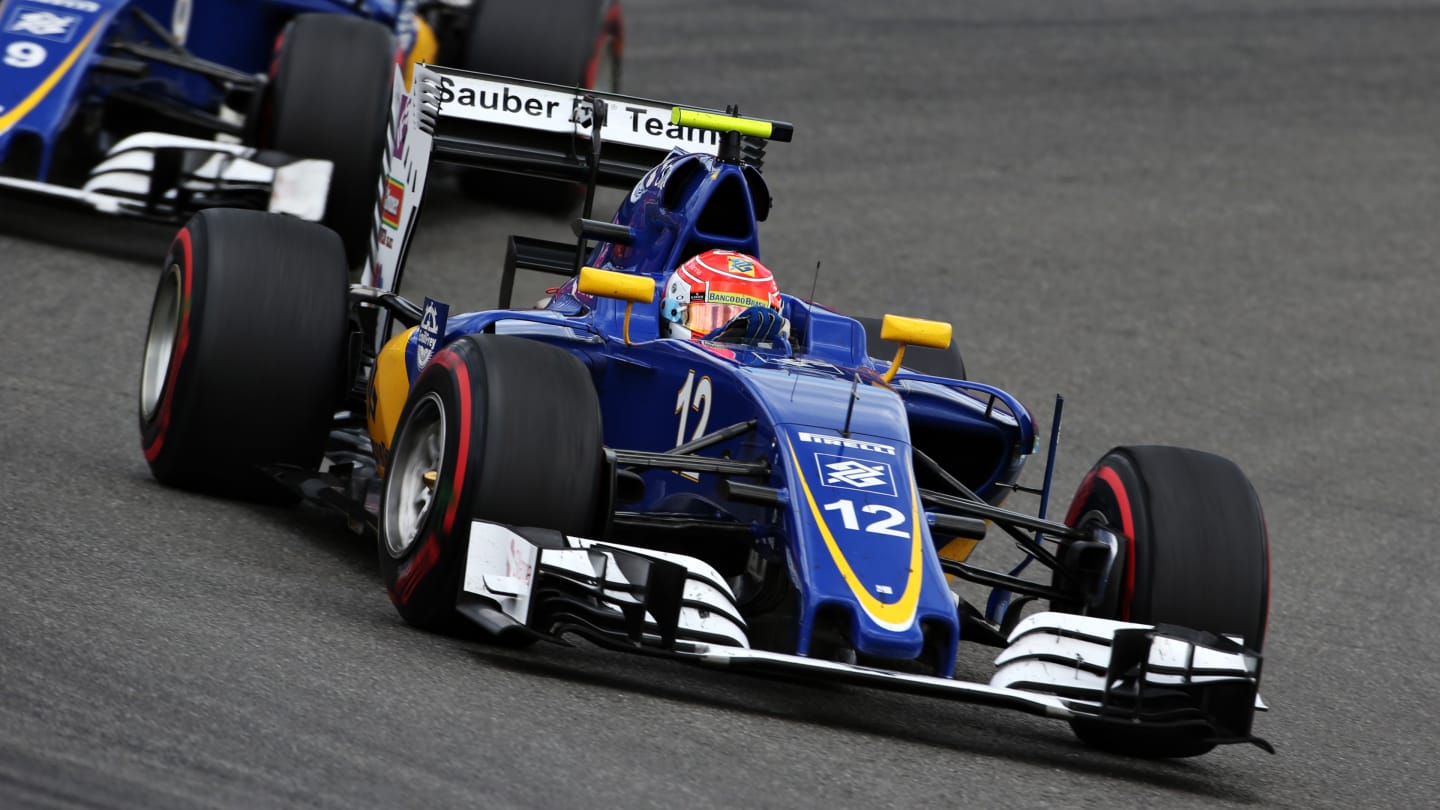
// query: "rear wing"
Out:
[531,128]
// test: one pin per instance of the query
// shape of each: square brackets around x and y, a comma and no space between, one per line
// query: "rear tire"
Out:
[576,43]
[511,427]
[947,362]
[329,100]
[579,44]
[244,356]
[1198,556]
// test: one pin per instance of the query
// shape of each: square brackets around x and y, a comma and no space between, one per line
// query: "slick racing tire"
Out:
[1197,556]
[947,362]
[576,43]
[497,428]
[329,99]
[245,353]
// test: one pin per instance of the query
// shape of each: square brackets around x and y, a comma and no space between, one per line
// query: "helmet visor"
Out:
[705,318]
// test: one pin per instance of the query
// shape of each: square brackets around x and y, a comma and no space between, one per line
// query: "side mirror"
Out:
[610,284]
[628,287]
[913,332]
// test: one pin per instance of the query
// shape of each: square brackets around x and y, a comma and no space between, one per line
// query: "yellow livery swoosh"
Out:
[897,615]
[14,114]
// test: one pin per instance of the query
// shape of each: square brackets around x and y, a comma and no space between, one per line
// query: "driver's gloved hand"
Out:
[758,324]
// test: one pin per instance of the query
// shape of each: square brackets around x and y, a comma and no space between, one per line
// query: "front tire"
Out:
[497,428]
[245,351]
[1197,555]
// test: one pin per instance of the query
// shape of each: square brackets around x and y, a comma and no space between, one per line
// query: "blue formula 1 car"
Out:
[773,495]
[159,108]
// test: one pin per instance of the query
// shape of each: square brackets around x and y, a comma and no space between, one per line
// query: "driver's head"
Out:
[710,289]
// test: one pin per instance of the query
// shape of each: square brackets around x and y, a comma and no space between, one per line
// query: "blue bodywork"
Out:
[851,535]
[66,83]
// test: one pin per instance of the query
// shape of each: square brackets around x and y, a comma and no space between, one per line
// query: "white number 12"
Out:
[885,525]
[693,396]
[684,403]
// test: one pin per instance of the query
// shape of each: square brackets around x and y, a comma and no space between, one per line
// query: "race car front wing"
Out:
[541,581]
[168,178]
[1059,665]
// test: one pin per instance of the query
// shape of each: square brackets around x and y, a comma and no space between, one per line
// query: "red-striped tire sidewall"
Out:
[154,431]
[523,447]
[1111,487]
[257,357]
[422,582]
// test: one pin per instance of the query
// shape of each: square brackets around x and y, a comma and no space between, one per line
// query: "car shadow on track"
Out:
[325,531]
[320,529]
[959,728]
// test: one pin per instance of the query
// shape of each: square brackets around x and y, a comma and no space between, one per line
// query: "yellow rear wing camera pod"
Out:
[627,287]
[912,332]
[724,122]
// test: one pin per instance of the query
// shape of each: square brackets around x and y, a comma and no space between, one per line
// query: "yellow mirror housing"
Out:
[912,332]
[630,287]
[916,332]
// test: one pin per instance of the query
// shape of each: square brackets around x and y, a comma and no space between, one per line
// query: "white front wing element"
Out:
[128,169]
[1043,672]
[300,189]
[100,202]
[506,568]
[760,661]
[122,182]
[1057,664]
[1071,654]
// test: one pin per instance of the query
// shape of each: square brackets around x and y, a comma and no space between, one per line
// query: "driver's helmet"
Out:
[710,289]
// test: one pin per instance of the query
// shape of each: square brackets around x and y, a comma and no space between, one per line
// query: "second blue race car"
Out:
[158,108]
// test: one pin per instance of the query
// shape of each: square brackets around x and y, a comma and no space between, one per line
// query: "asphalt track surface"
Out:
[1207,224]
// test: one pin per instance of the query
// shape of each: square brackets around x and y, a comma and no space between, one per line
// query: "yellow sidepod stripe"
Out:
[898,615]
[13,116]
[389,387]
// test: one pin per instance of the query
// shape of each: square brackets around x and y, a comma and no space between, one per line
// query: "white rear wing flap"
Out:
[529,128]
[545,130]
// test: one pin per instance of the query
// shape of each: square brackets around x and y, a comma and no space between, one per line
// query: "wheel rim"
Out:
[410,481]
[160,342]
